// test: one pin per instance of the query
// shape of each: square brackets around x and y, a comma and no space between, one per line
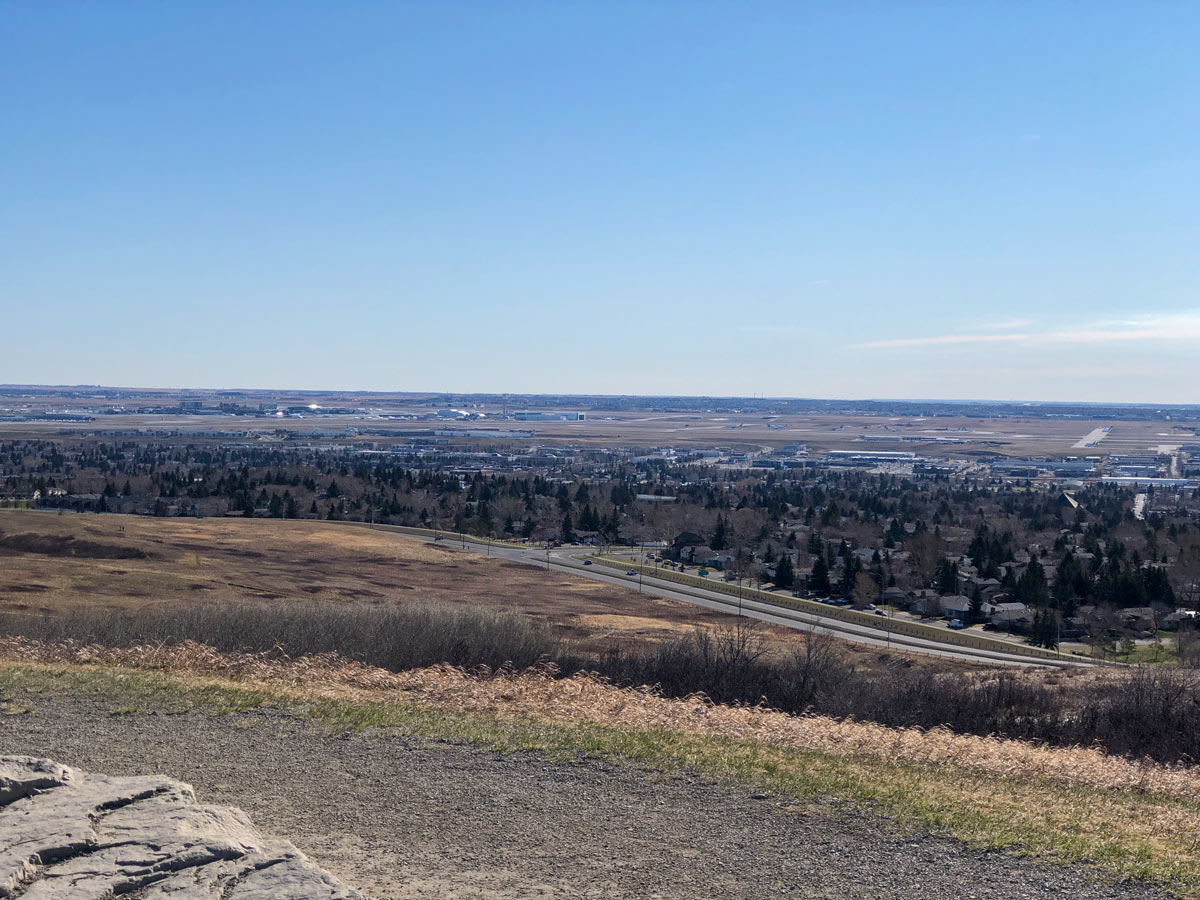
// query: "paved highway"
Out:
[563,560]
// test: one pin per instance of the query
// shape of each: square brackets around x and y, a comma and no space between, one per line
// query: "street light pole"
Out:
[889,618]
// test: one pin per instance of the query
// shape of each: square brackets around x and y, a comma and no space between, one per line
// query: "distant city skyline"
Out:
[845,201]
[190,390]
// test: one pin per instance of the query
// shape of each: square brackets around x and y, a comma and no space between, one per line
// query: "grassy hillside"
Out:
[52,563]
[1130,820]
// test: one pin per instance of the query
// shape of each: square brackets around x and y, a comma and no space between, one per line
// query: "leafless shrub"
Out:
[1135,712]
[391,637]
[1187,647]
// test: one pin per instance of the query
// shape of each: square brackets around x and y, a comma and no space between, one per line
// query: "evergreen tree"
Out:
[814,543]
[947,577]
[819,581]
[720,537]
[975,610]
[1032,589]
[1044,631]
[785,575]
[850,571]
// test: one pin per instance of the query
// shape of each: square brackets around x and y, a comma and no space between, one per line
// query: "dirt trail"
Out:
[402,818]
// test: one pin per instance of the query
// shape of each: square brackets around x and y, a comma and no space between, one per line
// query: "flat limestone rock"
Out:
[71,835]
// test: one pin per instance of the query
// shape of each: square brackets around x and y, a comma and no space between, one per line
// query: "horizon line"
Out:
[764,398]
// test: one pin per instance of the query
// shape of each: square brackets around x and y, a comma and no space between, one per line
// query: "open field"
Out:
[945,436]
[56,563]
[922,435]
[830,808]
[898,792]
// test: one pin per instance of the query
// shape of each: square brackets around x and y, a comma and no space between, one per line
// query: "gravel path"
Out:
[399,817]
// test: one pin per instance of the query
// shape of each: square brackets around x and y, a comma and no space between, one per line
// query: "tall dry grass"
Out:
[586,697]
[1135,712]
[393,637]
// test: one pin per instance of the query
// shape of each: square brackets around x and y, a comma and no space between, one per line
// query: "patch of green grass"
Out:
[1163,653]
[124,687]
[1124,834]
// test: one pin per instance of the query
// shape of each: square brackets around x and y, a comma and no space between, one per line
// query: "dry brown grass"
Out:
[585,698]
[234,560]
[1131,819]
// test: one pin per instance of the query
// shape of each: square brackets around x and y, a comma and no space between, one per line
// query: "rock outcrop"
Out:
[71,835]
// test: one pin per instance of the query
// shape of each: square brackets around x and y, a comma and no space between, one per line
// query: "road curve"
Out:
[561,560]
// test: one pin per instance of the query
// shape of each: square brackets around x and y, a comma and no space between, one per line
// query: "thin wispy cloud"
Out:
[1173,328]
[1007,324]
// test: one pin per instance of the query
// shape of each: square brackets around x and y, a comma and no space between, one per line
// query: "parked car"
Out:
[956,624]
[631,572]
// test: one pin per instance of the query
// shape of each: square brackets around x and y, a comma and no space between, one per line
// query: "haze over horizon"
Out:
[997,401]
[854,201]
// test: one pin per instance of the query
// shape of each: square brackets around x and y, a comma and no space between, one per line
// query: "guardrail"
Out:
[910,629]
[799,604]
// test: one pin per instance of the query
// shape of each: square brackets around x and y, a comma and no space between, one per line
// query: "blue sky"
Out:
[843,199]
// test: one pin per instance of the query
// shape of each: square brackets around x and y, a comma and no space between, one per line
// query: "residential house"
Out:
[1011,616]
[955,606]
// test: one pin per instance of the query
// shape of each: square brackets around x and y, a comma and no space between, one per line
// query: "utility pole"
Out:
[889,618]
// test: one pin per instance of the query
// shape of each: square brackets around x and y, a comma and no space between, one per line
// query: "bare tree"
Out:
[741,644]
[729,653]
[1186,572]
[1187,646]
[925,550]
[817,665]
[866,591]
